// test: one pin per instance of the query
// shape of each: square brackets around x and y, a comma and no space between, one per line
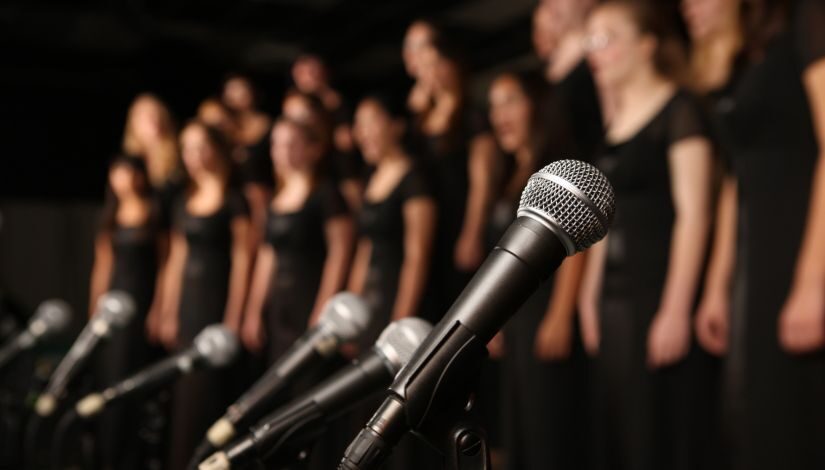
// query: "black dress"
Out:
[200,398]
[299,241]
[576,114]
[646,419]
[135,253]
[774,400]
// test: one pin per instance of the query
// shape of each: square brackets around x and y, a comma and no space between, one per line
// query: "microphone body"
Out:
[51,317]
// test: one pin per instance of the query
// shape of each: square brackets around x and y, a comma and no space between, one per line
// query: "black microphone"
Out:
[50,318]
[214,347]
[114,310]
[565,208]
[344,318]
[287,431]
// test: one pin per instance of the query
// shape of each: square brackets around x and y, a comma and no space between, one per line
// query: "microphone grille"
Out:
[574,198]
[54,315]
[116,308]
[400,339]
[217,345]
[346,315]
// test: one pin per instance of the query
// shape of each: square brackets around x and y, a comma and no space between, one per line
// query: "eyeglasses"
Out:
[598,41]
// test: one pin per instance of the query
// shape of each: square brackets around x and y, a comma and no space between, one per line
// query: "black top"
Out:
[254,165]
[578,102]
[639,170]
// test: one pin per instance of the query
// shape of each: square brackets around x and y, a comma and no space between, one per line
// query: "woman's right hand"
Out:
[711,322]
[252,334]
[169,332]
[589,324]
[496,346]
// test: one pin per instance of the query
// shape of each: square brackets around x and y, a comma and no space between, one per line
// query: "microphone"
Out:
[114,310]
[287,431]
[566,207]
[215,346]
[344,319]
[50,318]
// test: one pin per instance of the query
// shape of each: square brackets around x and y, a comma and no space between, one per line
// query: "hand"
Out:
[711,323]
[349,350]
[233,323]
[153,325]
[469,253]
[253,336]
[554,338]
[420,98]
[802,321]
[496,346]
[169,332]
[668,340]
[589,324]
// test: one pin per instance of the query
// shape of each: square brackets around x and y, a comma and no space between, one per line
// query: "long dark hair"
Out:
[220,143]
[762,20]
[111,204]
[313,137]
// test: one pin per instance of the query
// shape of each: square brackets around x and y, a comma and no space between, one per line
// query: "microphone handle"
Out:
[24,340]
[158,374]
[74,360]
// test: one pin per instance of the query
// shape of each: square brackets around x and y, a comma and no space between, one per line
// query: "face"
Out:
[295,107]
[440,72]
[147,120]
[375,131]
[419,36]
[545,31]
[123,180]
[199,155]
[706,17]
[616,49]
[237,94]
[510,113]
[290,148]
[309,74]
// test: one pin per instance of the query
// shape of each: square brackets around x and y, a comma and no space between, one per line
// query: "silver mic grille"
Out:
[346,315]
[573,199]
[400,339]
[217,345]
[116,308]
[51,317]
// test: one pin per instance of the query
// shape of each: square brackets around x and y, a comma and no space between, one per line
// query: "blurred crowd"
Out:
[692,337]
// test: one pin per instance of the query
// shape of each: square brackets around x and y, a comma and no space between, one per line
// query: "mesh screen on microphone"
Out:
[346,315]
[217,345]
[574,198]
[400,339]
[116,308]
[51,316]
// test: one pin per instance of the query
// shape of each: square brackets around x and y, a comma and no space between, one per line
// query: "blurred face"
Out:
[295,107]
[309,75]
[510,113]
[237,94]
[616,49]
[199,156]
[419,36]
[706,17]
[147,121]
[290,148]
[123,180]
[438,71]
[545,31]
[375,131]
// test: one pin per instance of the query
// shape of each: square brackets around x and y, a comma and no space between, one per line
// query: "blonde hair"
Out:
[161,161]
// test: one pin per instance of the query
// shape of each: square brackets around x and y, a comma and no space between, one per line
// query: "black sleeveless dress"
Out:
[200,398]
[774,401]
[646,419]
[299,241]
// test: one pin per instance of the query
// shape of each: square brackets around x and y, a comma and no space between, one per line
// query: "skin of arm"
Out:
[360,266]
[419,229]
[173,280]
[589,292]
[802,320]
[469,250]
[153,317]
[339,233]
[252,331]
[554,336]
[258,197]
[102,269]
[690,173]
[239,274]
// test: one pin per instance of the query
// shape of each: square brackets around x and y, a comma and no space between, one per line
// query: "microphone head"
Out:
[400,339]
[51,317]
[346,315]
[217,345]
[116,308]
[573,199]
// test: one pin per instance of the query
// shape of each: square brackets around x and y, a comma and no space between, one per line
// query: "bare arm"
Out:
[101,270]
[419,228]
[555,334]
[339,234]
[252,328]
[239,274]
[360,266]
[258,197]
[470,246]
[173,280]
[589,293]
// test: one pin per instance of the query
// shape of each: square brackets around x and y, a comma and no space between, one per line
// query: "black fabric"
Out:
[200,398]
[646,419]
[575,102]
[300,245]
[774,400]
[254,165]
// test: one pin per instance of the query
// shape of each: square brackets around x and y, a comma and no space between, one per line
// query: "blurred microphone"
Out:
[50,318]
[213,347]
[114,310]
[300,422]
[565,208]
[344,319]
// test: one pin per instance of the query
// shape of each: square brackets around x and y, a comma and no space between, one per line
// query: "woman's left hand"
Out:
[469,253]
[668,340]
[554,338]
[802,320]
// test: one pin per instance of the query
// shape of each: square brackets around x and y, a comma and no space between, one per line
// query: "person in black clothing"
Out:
[542,369]
[641,284]
[765,296]
[309,240]
[205,278]
[128,251]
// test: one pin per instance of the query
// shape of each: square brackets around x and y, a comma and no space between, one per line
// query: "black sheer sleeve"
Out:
[686,119]
[809,31]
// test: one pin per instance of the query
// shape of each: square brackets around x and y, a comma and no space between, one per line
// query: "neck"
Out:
[715,52]
[299,178]
[393,157]
[130,199]
[639,87]
[209,182]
